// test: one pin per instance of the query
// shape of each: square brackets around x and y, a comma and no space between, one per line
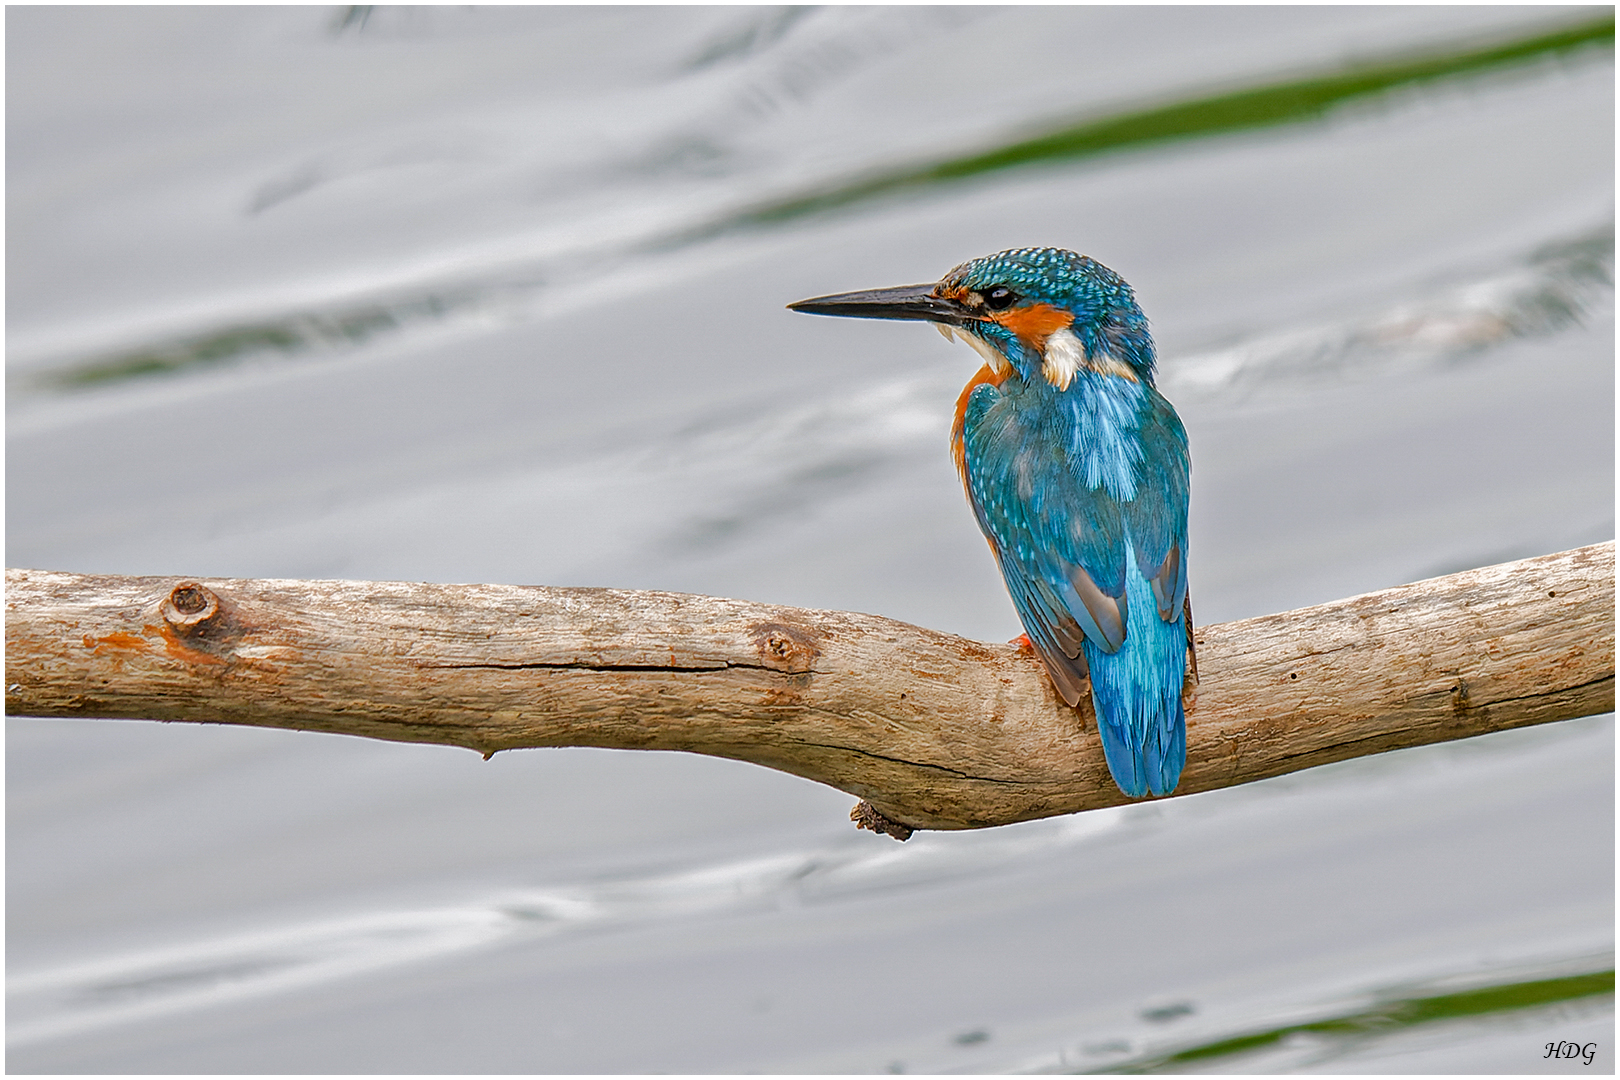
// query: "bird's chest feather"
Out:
[1033,438]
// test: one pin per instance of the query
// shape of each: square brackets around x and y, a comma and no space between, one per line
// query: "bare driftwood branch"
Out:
[934,731]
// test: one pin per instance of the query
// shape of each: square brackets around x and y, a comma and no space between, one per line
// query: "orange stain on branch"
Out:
[115,641]
[179,649]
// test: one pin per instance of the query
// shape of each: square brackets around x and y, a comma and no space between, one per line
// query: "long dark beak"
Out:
[901,302]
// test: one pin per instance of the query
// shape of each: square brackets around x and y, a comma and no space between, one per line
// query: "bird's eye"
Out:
[999,298]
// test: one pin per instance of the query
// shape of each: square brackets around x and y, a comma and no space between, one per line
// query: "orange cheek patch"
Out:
[1035,323]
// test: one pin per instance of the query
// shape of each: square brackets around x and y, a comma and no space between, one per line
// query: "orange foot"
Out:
[1023,643]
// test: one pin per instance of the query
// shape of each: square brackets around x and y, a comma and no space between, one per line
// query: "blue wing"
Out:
[1084,502]
[1157,518]
[1052,548]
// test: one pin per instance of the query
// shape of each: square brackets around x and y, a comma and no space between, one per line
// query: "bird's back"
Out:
[1082,493]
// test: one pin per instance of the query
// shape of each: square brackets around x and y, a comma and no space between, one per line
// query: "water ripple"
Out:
[69,1000]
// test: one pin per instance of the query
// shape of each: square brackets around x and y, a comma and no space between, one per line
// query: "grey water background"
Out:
[436,294]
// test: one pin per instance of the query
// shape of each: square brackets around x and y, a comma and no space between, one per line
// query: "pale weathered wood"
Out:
[935,731]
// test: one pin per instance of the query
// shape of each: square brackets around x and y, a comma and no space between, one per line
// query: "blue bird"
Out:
[1077,470]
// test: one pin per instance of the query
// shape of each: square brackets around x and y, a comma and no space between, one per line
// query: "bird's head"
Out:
[1044,312]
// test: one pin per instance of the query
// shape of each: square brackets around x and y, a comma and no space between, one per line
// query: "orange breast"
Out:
[985,375]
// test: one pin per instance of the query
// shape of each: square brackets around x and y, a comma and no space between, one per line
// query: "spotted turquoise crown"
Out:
[1107,319]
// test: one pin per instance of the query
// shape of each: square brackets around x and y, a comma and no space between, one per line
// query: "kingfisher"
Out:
[1077,470]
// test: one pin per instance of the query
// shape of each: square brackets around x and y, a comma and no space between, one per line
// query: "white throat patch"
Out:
[1063,358]
[997,362]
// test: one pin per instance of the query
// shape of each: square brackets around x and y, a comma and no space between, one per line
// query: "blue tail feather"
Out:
[1137,695]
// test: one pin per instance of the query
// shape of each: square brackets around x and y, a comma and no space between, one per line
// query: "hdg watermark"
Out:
[1565,1049]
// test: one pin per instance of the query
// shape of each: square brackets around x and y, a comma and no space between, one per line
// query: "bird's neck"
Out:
[1056,349]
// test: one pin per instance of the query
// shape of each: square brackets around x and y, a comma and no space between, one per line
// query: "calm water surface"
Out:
[496,295]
